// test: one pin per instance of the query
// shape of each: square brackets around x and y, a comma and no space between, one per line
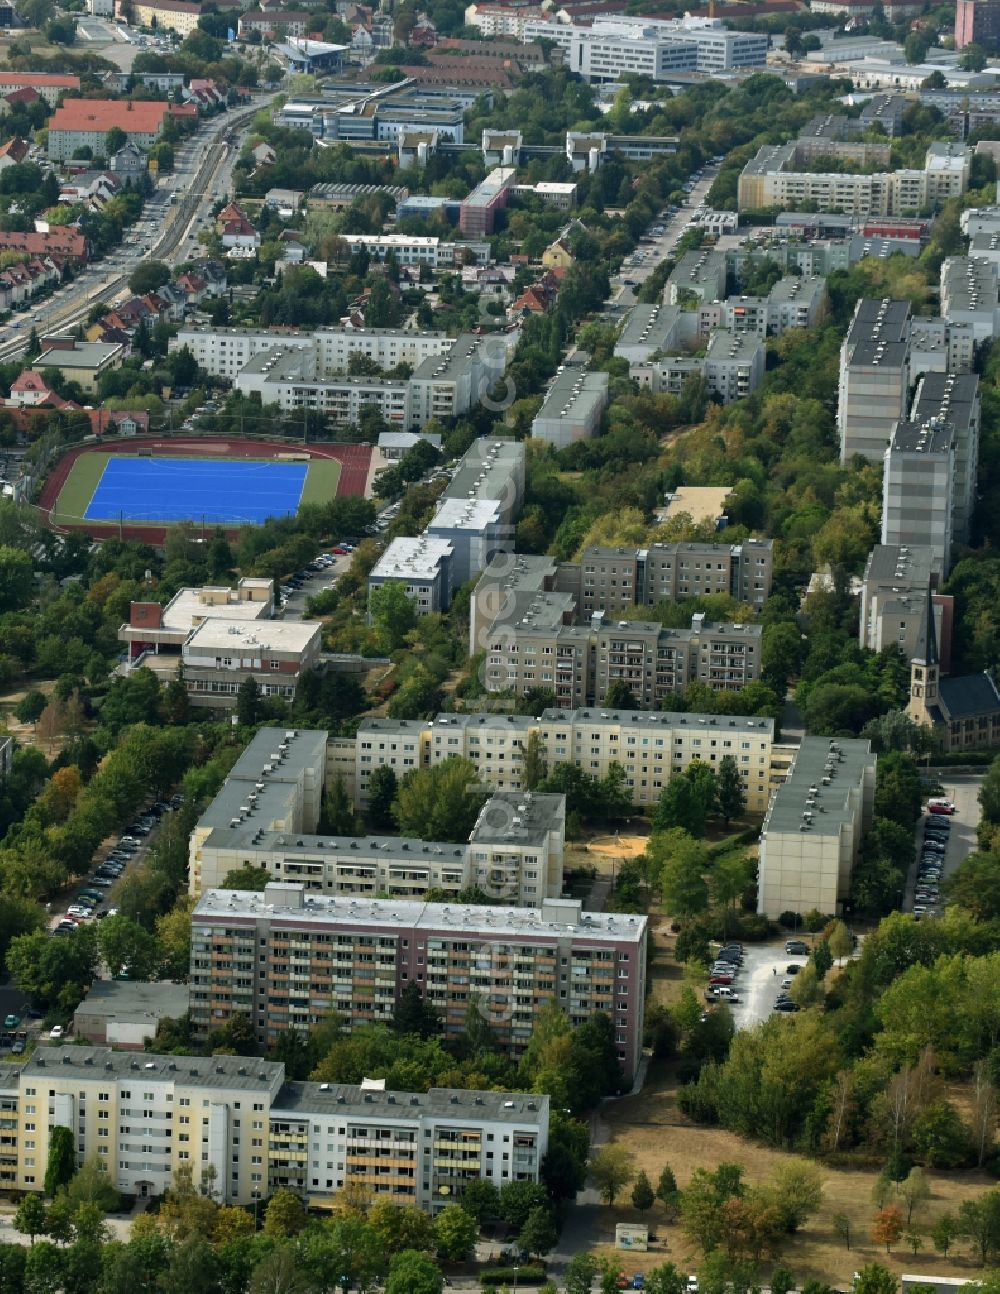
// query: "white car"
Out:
[78,910]
[56,1032]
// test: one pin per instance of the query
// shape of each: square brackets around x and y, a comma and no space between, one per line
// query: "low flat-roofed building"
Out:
[572,409]
[156,633]
[81,361]
[220,654]
[423,566]
[649,329]
[814,827]
[127,1013]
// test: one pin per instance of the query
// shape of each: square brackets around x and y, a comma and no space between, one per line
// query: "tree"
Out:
[61,1163]
[382,788]
[887,1226]
[126,947]
[729,792]
[415,1015]
[411,1272]
[517,1199]
[620,696]
[392,614]
[51,722]
[642,1193]
[915,1191]
[441,802]
[667,1192]
[873,1278]
[979,1223]
[29,1217]
[279,1273]
[481,1199]
[455,1233]
[29,708]
[612,1170]
[840,943]
[842,1227]
[944,1232]
[92,1185]
[539,1234]
[680,864]
[285,1215]
[148,276]
[580,1272]
[248,702]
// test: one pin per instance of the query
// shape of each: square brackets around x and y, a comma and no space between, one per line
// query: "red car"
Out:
[340,552]
[721,978]
[946,809]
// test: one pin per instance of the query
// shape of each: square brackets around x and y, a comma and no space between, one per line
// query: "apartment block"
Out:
[579,663]
[785,175]
[652,329]
[224,352]
[511,581]
[874,377]
[572,409]
[410,1148]
[977,22]
[79,123]
[276,786]
[697,276]
[894,593]
[970,294]
[940,345]
[953,399]
[416,249]
[475,531]
[813,830]
[288,959]
[918,490]
[145,1117]
[477,214]
[491,469]
[672,572]
[245,1132]
[423,566]
[733,367]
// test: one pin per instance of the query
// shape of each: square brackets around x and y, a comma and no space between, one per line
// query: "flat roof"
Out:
[85,354]
[265,779]
[922,438]
[186,606]
[554,918]
[900,566]
[575,393]
[301,844]
[659,718]
[465,514]
[485,469]
[953,396]
[739,347]
[133,1000]
[843,761]
[245,1072]
[879,320]
[521,817]
[365,1101]
[409,558]
[269,635]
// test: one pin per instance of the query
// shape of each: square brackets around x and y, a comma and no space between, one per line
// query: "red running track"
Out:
[355,464]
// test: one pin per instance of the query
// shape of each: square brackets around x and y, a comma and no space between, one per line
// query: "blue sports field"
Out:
[191,489]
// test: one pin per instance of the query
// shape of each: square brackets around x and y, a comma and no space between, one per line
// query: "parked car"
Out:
[793,969]
[796,948]
[11,1021]
[56,1032]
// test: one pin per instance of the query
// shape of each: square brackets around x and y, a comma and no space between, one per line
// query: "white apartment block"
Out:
[970,294]
[814,828]
[422,566]
[651,747]
[894,597]
[146,1116]
[573,408]
[224,352]
[778,176]
[952,399]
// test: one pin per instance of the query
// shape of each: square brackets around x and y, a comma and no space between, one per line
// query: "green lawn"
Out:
[75,496]
[321,481]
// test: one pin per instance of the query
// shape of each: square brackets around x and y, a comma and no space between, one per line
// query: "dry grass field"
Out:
[657,1133]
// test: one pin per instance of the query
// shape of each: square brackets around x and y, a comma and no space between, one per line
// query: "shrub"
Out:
[503,1275]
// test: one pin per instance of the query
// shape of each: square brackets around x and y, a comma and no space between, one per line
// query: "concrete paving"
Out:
[963,790]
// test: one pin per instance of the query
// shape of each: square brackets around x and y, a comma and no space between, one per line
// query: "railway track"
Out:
[176,227]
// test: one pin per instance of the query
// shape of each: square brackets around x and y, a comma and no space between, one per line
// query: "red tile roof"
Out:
[133,116]
[52,79]
[59,241]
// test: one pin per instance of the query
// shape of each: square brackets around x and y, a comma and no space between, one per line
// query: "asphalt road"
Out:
[663,246]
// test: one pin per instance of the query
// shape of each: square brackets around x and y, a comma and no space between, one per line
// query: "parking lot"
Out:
[309,582]
[759,980]
[963,791]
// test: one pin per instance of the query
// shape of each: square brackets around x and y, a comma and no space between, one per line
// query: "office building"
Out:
[952,399]
[572,409]
[477,214]
[650,746]
[245,1132]
[423,566]
[84,362]
[785,175]
[918,488]
[417,249]
[874,377]
[315,954]
[814,827]
[502,147]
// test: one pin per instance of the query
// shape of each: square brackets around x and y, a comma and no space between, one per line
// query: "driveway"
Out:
[963,790]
